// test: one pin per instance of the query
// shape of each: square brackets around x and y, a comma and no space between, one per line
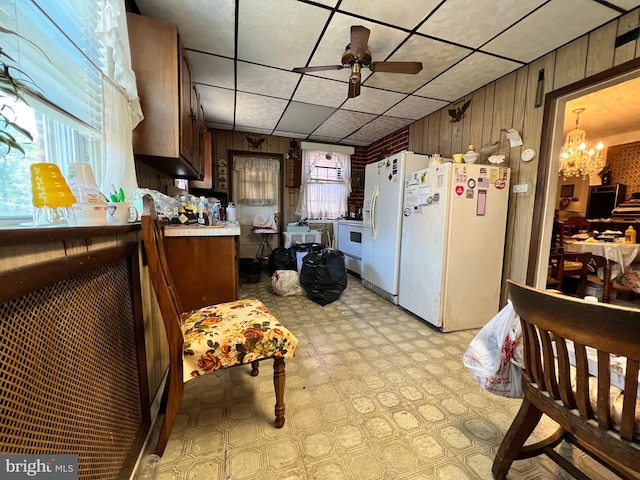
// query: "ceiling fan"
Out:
[357,55]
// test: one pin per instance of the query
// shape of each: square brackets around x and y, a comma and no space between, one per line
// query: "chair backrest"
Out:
[556,269]
[573,225]
[160,275]
[549,321]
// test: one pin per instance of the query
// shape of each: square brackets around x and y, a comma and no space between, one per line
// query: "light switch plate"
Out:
[521,188]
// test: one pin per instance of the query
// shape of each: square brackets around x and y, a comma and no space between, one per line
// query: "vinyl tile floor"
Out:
[373,393]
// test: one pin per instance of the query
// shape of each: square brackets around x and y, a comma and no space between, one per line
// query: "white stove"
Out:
[350,243]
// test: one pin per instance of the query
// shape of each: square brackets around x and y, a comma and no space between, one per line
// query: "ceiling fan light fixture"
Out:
[355,73]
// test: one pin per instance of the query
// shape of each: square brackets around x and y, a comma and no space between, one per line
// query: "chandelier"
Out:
[577,158]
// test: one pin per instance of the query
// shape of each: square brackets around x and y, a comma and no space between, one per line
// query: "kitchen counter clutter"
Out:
[204,262]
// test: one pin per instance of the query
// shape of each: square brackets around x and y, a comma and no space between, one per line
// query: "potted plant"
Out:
[13,88]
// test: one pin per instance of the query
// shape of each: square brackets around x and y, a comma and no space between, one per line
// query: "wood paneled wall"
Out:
[509,102]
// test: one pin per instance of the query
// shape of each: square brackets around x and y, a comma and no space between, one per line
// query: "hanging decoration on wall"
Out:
[255,142]
[294,150]
[457,114]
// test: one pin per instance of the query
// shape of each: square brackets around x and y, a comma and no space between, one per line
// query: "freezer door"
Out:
[423,243]
[476,242]
[381,215]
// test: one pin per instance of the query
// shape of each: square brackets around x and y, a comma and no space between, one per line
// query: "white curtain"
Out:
[323,199]
[120,101]
[255,180]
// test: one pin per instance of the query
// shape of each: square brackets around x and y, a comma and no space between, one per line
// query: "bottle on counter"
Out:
[203,211]
[215,213]
[630,235]
[231,212]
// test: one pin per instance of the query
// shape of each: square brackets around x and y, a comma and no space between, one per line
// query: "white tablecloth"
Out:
[620,255]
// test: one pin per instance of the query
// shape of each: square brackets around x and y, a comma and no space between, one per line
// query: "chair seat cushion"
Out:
[233,333]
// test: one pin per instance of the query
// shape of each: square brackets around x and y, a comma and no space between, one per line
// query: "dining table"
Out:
[617,257]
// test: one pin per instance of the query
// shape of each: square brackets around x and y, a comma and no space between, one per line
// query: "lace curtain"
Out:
[324,199]
[255,180]
[121,104]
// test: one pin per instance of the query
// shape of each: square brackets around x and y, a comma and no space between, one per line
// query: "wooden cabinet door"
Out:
[207,163]
[187,115]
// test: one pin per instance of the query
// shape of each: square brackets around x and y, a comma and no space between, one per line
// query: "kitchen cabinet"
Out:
[204,264]
[206,181]
[169,137]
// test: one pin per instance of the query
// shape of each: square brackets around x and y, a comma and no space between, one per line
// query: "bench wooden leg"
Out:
[254,368]
[173,396]
[525,422]
[278,383]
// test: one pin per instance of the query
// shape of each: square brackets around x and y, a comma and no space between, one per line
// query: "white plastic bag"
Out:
[286,283]
[494,356]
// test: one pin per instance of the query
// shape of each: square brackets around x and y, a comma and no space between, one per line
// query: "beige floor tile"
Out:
[373,393]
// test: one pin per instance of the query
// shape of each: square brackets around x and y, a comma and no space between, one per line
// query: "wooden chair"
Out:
[568,264]
[572,226]
[577,265]
[601,420]
[211,338]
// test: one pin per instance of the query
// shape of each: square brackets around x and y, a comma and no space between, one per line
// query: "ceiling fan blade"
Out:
[354,89]
[317,69]
[359,40]
[396,67]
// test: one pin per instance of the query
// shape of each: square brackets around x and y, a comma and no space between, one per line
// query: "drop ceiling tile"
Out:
[373,100]
[342,123]
[258,111]
[482,19]
[281,133]
[626,4]
[354,143]
[548,28]
[219,104]
[435,57]
[219,126]
[392,12]
[211,70]
[266,81]
[470,74]
[323,139]
[208,33]
[270,32]
[379,128]
[303,117]
[321,91]
[248,129]
[415,107]
[382,41]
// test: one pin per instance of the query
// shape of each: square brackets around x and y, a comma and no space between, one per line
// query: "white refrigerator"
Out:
[453,238]
[382,219]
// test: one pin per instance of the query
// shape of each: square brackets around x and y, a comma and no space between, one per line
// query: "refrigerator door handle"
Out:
[374,204]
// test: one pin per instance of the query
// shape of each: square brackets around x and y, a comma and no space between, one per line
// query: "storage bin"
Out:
[597,290]
[294,238]
[294,227]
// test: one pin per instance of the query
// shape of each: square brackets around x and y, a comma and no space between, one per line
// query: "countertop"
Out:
[223,230]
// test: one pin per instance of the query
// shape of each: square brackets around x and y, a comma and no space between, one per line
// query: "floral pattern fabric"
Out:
[233,333]
[631,278]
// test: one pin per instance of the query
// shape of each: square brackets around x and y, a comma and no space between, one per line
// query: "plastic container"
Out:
[630,235]
[295,238]
[231,212]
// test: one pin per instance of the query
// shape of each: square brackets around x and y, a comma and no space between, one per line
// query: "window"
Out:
[326,184]
[65,49]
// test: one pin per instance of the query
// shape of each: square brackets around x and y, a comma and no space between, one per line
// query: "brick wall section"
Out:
[394,143]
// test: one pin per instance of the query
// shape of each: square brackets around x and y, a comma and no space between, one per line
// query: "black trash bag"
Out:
[302,249]
[324,275]
[282,258]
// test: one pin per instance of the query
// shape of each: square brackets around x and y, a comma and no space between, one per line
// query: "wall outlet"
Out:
[521,188]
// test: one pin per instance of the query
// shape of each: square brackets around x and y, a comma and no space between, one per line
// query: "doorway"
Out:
[558,119]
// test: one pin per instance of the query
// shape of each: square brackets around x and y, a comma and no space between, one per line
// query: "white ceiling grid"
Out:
[245,81]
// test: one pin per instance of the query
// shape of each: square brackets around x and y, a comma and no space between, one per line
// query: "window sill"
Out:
[20,235]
